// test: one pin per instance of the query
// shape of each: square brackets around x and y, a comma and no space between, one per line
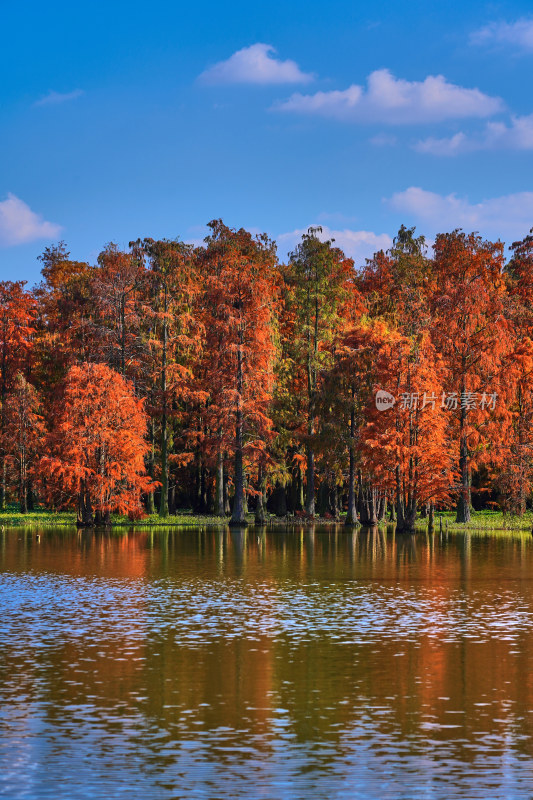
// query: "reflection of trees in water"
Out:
[239,541]
[336,685]
[373,542]
[406,551]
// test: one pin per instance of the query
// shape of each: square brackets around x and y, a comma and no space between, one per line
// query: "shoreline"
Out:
[490,522]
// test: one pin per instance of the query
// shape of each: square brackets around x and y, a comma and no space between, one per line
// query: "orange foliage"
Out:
[97,445]
[471,332]
[261,378]
[23,436]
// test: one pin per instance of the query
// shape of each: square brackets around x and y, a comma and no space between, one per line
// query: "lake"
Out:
[291,664]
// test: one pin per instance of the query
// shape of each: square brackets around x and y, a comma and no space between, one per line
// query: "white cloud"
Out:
[383,140]
[495,136]
[395,101]
[257,65]
[56,98]
[452,146]
[519,33]
[509,216]
[355,244]
[19,224]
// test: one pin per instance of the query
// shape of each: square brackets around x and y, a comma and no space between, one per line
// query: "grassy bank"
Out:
[43,518]
[37,519]
[494,521]
[489,521]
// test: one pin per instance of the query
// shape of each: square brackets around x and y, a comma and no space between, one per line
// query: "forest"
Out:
[219,379]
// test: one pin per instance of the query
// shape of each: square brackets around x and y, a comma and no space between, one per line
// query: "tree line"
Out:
[218,378]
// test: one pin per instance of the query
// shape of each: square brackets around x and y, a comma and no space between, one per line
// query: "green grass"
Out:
[180,519]
[37,519]
[484,521]
[45,518]
[494,522]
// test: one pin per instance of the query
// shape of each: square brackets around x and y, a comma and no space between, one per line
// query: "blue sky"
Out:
[120,120]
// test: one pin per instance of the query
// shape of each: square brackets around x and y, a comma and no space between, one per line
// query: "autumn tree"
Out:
[382,403]
[515,470]
[97,446]
[395,284]
[64,324]
[17,320]
[406,444]
[239,311]
[23,436]
[469,329]
[117,286]
[320,278]
[172,339]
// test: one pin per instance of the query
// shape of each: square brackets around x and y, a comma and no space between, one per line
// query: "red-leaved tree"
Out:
[97,446]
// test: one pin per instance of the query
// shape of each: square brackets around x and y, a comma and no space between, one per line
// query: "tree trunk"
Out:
[204,501]
[3,483]
[338,500]
[406,522]
[351,516]
[163,506]
[238,518]
[368,505]
[245,494]
[30,496]
[23,499]
[399,500]
[150,505]
[382,508]
[85,512]
[260,515]
[102,518]
[227,507]
[323,499]
[278,501]
[172,499]
[310,493]
[23,490]
[301,495]
[197,499]
[237,515]
[219,500]
[465,499]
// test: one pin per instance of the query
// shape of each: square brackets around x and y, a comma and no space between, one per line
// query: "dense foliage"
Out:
[219,379]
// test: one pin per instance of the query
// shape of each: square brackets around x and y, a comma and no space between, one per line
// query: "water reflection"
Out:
[291,663]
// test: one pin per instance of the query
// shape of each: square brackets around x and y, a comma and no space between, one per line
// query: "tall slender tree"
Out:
[320,279]
[471,332]
[173,337]
[117,286]
[239,314]
[23,437]
[17,321]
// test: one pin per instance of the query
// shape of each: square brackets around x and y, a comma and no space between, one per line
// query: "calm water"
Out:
[291,665]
